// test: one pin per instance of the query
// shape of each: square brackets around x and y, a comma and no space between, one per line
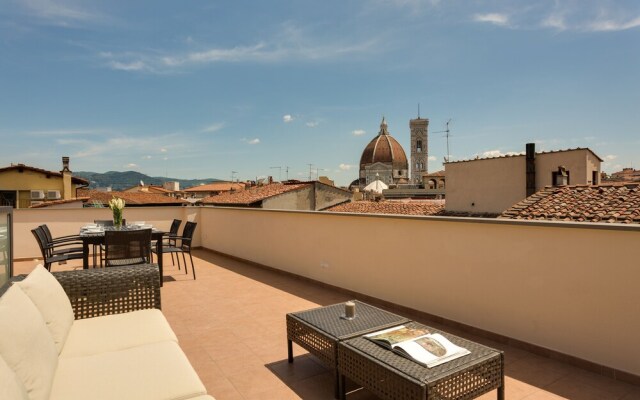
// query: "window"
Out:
[419,146]
[561,177]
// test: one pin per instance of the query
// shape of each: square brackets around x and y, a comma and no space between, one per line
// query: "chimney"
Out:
[531,168]
[66,179]
[270,180]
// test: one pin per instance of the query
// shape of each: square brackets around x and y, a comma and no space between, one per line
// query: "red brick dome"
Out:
[384,148]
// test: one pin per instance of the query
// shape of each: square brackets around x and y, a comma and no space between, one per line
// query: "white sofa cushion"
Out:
[11,388]
[158,371]
[26,344]
[92,336]
[52,301]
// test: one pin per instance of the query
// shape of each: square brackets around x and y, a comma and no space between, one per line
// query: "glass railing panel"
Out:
[6,247]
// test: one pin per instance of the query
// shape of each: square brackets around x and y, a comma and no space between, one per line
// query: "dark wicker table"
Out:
[393,377]
[320,329]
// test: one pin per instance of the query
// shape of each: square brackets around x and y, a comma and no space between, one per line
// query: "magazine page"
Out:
[398,334]
[432,350]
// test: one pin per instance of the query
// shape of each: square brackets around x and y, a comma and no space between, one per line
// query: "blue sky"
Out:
[198,89]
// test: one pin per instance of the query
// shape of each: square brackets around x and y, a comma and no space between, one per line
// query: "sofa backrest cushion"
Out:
[26,344]
[11,388]
[52,302]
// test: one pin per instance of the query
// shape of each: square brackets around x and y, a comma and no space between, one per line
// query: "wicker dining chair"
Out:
[99,248]
[52,253]
[127,247]
[182,245]
[171,238]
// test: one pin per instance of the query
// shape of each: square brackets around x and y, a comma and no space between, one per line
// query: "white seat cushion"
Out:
[117,332]
[52,302]
[205,397]
[11,388]
[26,344]
[158,371]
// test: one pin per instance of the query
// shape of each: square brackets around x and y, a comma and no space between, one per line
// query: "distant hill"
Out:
[127,179]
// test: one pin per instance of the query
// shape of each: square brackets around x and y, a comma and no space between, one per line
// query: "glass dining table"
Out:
[94,235]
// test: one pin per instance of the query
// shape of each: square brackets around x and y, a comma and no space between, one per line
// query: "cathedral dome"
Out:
[384,148]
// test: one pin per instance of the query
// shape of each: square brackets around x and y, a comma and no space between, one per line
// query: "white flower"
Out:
[116,203]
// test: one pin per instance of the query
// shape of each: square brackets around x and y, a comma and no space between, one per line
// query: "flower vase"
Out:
[117,219]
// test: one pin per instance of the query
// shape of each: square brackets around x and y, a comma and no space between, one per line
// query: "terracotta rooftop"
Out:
[616,203]
[435,174]
[58,202]
[391,207]
[74,179]
[131,198]
[217,186]
[253,195]
[522,154]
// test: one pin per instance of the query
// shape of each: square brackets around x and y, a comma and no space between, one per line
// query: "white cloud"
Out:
[609,157]
[345,167]
[555,21]
[608,25]
[163,150]
[56,11]
[432,158]
[131,165]
[287,118]
[290,43]
[358,132]
[497,153]
[67,132]
[252,141]
[492,18]
[147,157]
[213,128]
[132,66]
[312,124]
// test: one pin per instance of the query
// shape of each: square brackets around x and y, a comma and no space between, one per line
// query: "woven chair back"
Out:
[175,225]
[127,247]
[187,234]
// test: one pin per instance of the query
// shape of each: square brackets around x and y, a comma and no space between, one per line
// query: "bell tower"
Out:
[419,148]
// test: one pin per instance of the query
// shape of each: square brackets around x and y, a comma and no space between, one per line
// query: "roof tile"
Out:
[613,203]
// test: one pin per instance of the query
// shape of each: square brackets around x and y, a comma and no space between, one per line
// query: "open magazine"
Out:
[419,345]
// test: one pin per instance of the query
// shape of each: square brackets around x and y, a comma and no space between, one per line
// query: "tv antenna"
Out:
[310,171]
[286,168]
[233,173]
[447,134]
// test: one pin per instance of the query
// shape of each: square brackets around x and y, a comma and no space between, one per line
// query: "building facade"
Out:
[383,159]
[419,129]
[23,186]
[492,185]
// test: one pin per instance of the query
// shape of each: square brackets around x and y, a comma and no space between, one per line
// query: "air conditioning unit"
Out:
[37,195]
[53,194]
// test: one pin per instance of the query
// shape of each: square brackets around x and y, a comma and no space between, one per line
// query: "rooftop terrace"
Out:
[230,323]
[536,285]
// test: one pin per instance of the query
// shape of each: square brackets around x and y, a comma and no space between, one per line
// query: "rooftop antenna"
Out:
[447,134]
[233,173]
[286,168]
[310,170]
[418,110]
[279,172]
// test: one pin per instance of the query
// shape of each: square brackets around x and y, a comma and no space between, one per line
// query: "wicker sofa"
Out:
[94,334]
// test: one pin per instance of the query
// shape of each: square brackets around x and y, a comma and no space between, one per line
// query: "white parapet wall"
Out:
[63,222]
[567,287]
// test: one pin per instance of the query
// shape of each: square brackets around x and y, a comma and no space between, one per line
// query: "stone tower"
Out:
[419,148]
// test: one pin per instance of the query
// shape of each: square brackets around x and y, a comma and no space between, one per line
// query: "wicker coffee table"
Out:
[393,377]
[320,329]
